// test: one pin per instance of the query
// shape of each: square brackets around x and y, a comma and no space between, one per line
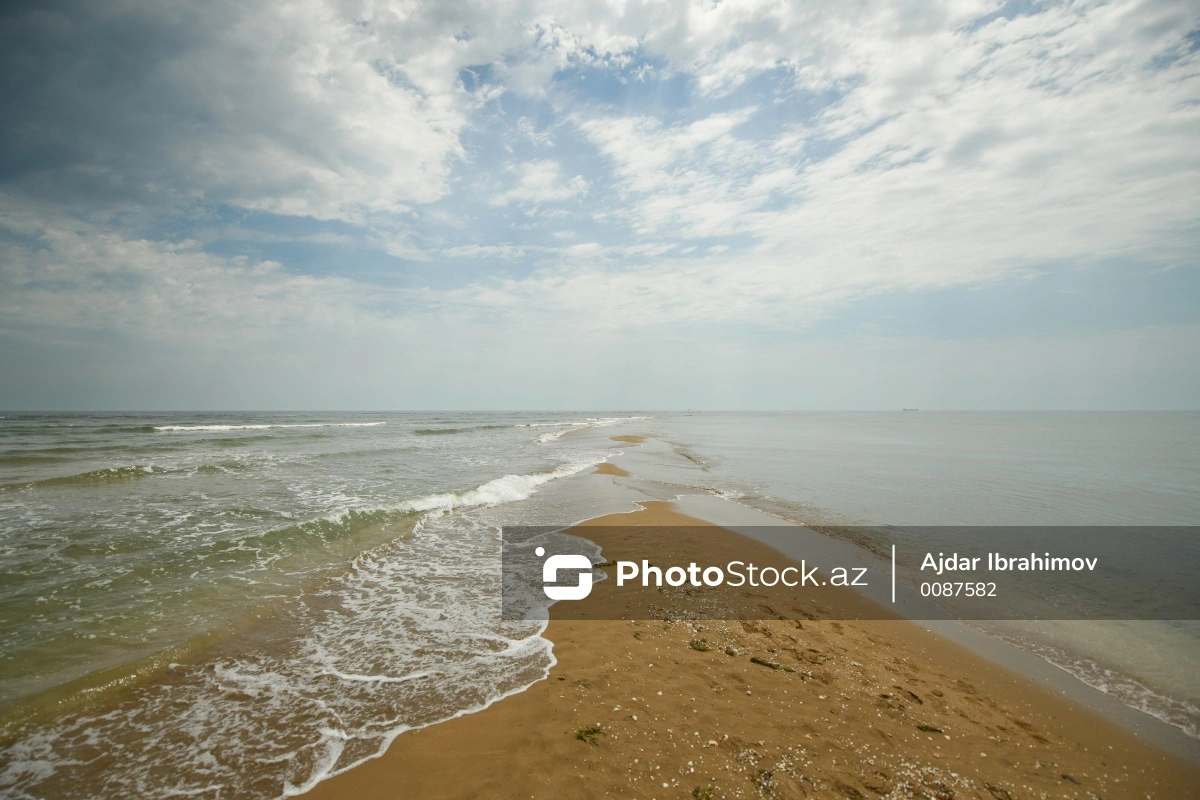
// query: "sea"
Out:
[241,604]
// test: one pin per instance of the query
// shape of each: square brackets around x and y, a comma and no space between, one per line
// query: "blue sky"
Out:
[605,205]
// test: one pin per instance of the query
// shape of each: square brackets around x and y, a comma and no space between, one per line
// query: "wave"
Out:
[70,448]
[100,477]
[346,525]
[552,435]
[590,422]
[239,441]
[546,424]
[32,458]
[264,426]
[447,431]
[507,489]
[96,477]
[107,429]
[221,467]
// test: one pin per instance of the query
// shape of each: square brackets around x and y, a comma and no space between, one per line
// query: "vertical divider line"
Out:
[893,573]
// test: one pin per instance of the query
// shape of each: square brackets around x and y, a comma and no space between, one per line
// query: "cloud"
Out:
[504,252]
[539,182]
[529,130]
[955,154]
[259,172]
[310,109]
[72,280]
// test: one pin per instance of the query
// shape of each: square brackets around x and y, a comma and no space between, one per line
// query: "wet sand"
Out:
[672,707]
[610,469]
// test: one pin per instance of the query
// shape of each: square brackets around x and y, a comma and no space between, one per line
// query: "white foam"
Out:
[199,791]
[507,489]
[533,645]
[552,435]
[334,742]
[265,426]
[546,424]
[590,422]
[412,676]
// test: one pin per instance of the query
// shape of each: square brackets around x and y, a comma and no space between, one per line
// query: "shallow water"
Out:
[874,470]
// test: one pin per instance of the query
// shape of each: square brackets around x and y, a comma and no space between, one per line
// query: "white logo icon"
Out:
[550,575]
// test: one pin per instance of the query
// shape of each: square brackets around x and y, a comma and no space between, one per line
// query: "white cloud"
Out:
[73,279]
[898,147]
[242,234]
[529,130]
[539,182]
[505,252]
[960,155]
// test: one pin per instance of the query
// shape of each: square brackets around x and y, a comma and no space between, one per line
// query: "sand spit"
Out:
[667,707]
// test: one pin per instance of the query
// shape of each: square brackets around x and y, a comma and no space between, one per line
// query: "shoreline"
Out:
[740,518]
[391,632]
[891,708]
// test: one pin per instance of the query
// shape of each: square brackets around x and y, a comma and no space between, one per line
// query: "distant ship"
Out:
[910,409]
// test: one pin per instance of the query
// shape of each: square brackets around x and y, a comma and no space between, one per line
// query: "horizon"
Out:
[564,410]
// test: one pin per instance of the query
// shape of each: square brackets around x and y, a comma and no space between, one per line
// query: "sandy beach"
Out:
[662,708]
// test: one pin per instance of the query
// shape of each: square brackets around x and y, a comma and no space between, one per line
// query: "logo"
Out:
[564,562]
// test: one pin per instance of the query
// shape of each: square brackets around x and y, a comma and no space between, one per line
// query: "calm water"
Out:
[993,468]
[235,605]
[956,468]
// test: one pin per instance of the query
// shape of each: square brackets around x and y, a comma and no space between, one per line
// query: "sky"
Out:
[354,204]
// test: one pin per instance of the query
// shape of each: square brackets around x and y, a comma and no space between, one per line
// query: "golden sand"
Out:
[754,709]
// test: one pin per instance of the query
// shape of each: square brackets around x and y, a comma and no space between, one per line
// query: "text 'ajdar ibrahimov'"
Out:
[1000,563]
